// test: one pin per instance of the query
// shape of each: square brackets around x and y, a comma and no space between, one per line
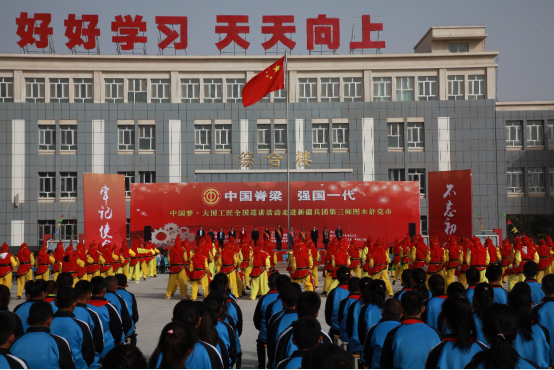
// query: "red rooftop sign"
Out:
[129,30]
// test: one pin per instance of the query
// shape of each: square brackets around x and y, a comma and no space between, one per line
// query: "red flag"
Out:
[268,80]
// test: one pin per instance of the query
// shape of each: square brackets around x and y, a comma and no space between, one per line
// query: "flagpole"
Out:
[288,151]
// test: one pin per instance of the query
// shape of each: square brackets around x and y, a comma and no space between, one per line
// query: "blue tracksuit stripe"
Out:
[49,351]
[343,314]
[332,306]
[9,361]
[260,321]
[371,355]
[352,319]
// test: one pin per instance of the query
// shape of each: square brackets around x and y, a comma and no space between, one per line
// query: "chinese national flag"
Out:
[268,80]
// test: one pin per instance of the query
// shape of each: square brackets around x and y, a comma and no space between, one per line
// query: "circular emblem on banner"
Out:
[211,196]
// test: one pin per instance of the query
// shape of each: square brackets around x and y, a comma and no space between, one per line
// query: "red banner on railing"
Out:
[450,204]
[105,210]
[380,209]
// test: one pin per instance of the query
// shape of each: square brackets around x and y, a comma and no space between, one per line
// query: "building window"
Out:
[82,90]
[6,90]
[147,137]
[68,230]
[340,135]
[280,96]
[514,133]
[234,89]
[423,225]
[418,174]
[476,87]
[396,174]
[280,132]
[535,133]
[45,227]
[395,135]
[190,90]
[551,180]
[213,90]
[113,90]
[307,89]
[427,88]
[330,89]
[456,87]
[515,180]
[404,88]
[69,137]
[550,132]
[320,136]
[47,137]
[415,135]
[129,179]
[47,185]
[68,187]
[147,177]
[34,90]
[264,136]
[222,137]
[59,90]
[535,180]
[160,90]
[458,48]
[382,89]
[126,137]
[203,137]
[352,87]
[136,90]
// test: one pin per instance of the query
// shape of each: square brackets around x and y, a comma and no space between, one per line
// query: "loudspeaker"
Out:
[147,233]
[411,229]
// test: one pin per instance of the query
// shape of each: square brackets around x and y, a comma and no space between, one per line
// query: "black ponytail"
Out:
[483,297]
[35,288]
[520,300]
[206,331]
[457,310]
[419,278]
[500,329]
[176,342]
[377,289]
[456,289]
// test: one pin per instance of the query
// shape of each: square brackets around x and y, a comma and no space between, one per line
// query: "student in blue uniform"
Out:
[353,297]
[406,278]
[500,328]
[533,340]
[371,312]
[109,318]
[51,292]
[308,305]
[433,305]
[36,290]
[132,306]
[204,355]
[458,348]
[306,334]
[64,280]
[7,337]
[334,298]
[275,310]
[176,343]
[259,317]
[483,298]
[214,301]
[327,356]
[473,277]
[544,311]
[419,283]
[5,298]
[373,346]
[455,289]
[38,347]
[530,270]
[407,345]
[207,333]
[494,276]
[353,317]
[83,291]
[76,332]
[119,303]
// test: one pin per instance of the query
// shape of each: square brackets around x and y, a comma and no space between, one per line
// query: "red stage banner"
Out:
[380,209]
[105,210]
[450,204]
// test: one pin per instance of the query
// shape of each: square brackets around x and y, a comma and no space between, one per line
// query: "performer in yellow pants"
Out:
[543,273]
[450,276]
[134,272]
[22,279]
[195,284]
[328,280]
[177,280]
[398,268]
[6,279]
[302,262]
[384,273]
[259,264]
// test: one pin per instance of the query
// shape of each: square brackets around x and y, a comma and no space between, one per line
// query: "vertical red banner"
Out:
[450,204]
[105,210]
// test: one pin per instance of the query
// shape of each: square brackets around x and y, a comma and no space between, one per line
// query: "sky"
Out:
[521,31]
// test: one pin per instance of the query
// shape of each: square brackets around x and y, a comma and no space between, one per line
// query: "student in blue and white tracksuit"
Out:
[473,277]
[533,340]
[494,276]
[353,317]
[333,301]
[371,312]
[76,332]
[530,270]
[5,298]
[353,297]
[306,334]
[407,345]
[482,299]
[214,301]
[373,344]
[119,303]
[40,348]
[7,337]
[132,306]
[83,291]
[458,348]
[37,291]
[544,311]
[433,305]
[500,328]
[260,322]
